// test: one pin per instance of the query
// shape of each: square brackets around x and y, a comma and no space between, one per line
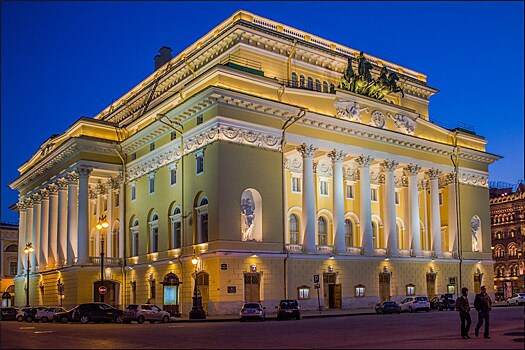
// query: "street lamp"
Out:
[28,249]
[102,225]
[197,312]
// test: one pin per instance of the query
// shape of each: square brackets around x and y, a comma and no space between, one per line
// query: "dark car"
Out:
[388,307]
[442,303]
[288,309]
[8,313]
[90,312]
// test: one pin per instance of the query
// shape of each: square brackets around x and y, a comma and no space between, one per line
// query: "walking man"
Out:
[483,306]
[463,307]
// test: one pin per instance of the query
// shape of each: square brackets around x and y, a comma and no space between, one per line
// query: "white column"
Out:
[308,197]
[339,201]
[364,204]
[83,215]
[121,219]
[72,218]
[21,236]
[62,222]
[109,231]
[29,230]
[36,231]
[53,227]
[411,171]
[388,167]
[44,229]
[98,214]
[435,216]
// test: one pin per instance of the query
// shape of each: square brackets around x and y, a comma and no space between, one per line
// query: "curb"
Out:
[273,318]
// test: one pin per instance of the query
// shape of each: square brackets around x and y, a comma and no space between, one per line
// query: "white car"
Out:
[516,299]
[414,304]
[45,314]
[145,312]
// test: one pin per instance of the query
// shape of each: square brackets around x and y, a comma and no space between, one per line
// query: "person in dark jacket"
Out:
[464,313]
[483,305]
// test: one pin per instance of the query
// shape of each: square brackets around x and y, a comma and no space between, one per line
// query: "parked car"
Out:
[8,313]
[145,312]
[288,309]
[414,304]
[26,314]
[388,307]
[45,314]
[516,299]
[252,311]
[91,312]
[441,303]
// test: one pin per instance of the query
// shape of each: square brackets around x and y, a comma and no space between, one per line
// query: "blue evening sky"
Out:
[63,60]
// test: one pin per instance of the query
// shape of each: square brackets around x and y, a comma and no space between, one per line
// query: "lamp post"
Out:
[197,312]
[28,249]
[102,225]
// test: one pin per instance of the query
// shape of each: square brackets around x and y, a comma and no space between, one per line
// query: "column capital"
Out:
[447,179]
[21,206]
[433,174]
[101,188]
[72,178]
[36,198]
[411,169]
[337,156]
[388,165]
[83,172]
[364,161]
[114,182]
[62,183]
[28,202]
[44,193]
[307,150]
[53,189]
[93,194]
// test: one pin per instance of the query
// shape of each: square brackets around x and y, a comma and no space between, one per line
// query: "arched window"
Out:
[12,248]
[301,81]
[317,84]
[310,83]
[294,229]
[321,231]
[176,229]
[294,79]
[332,87]
[135,238]
[349,233]
[154,233]
[202,221]
[325,86]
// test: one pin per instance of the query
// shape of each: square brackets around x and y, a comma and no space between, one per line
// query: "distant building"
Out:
[8,261]
[283,161]
[507,214]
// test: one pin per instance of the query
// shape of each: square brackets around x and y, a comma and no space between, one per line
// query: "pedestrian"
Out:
[463,307]
[483,306]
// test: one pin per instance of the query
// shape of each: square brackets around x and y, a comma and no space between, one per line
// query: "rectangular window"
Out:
[440,196]
[411,289]
[116,199]
[349,191]
[303,293]
[173,176]
[397,198]
[359,291]
[152,289]
[151,180]
[12,267]
[373,194]
[296,184]
[323,188]
[200,164]
[173,135]
[152,146]
[155,242]
[133,192]
[105,203]
[133,156]
[199,119]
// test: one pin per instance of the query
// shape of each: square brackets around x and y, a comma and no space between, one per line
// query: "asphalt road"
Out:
[434,330]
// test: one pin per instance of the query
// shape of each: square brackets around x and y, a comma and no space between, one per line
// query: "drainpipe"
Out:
[455,161]
[289,122]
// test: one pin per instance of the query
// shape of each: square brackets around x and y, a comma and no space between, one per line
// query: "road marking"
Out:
[43,332]
[175,326]
[27,327]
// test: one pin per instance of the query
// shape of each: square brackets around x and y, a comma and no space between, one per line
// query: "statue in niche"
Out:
[247,218]
[476,232]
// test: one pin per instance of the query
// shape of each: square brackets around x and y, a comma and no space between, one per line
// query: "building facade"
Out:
[507,214]
[8,261]
[283,161]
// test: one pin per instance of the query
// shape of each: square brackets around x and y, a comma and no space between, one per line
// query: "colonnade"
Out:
[387,167]
[55,219]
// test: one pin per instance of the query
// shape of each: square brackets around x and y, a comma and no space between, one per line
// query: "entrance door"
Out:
[329,290]
[431,285]
[203,284]
[252,283]
[384,286]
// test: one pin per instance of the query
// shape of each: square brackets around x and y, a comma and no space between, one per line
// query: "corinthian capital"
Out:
[388,165]
[44,193]
[83,172]
[28,202]
[62,183]
[36,198]
[433,174]
[53,189]
[307,150]
[364,161]
[337,156]
[21,206]
[72,178]
[411,169]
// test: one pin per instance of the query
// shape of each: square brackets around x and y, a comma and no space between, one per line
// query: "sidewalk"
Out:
[273,316]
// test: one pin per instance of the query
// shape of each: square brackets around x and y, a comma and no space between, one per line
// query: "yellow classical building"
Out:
[283,161]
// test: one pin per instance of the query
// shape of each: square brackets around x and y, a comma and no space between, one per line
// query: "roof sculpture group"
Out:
[362,83]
